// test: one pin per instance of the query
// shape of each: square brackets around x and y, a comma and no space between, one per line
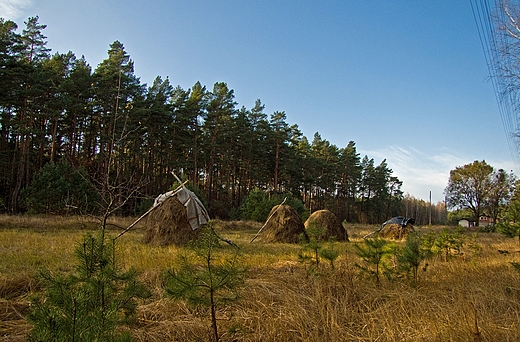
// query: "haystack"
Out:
[395,231]
[168,224]
[327,220]
[284,225]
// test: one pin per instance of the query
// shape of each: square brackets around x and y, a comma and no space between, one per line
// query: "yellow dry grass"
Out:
[472,297]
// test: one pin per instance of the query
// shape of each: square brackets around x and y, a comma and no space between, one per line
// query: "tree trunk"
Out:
[53,139]
[22,159]
[213,316]
[13,203]
[276,163]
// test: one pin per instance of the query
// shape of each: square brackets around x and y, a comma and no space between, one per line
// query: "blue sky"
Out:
[405,80]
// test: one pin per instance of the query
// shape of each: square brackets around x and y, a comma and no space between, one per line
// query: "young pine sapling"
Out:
[206,274]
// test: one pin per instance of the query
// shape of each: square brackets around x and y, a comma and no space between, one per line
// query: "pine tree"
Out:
[58,188]
[28,80]
[218,135]
[313,241]
[209,276]
[372,254]
[411,255]
[91,303]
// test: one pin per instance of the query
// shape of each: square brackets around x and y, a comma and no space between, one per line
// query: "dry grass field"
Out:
[474,296]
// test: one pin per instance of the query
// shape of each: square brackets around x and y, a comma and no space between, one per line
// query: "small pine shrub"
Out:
[330,253]
[314,247]
[511,230]
[411,256]
[373,255]
[446,243]
[206,275]
[91,303]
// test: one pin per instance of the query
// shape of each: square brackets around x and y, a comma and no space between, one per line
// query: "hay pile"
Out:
[395,231]
[285,225]
[326,219]
[168,225]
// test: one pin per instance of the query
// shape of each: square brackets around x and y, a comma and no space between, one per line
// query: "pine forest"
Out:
[74,138]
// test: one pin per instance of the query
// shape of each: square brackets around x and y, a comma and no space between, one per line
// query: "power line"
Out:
[496,46]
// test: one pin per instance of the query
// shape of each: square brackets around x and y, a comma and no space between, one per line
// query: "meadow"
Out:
[473,296]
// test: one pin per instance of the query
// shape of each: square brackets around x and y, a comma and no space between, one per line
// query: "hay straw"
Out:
[268,219]
[148,211]
[284,225]
[168,224]
[395,231]
[326,219]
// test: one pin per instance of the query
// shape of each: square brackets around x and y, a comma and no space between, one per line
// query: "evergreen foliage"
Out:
[509,229]
[258,204]
[411,255]
[206,275]
[373,254]
[510,226]
[91,303]
[446,243]
[313,242]
[330,253]
[58,188]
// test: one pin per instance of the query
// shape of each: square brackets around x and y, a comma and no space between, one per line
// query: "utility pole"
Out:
[430,221]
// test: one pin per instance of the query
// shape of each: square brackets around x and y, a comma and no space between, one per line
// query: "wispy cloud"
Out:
[13,9]
[421,172]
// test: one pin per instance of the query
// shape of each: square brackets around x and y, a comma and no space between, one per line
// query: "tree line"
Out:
[55,108]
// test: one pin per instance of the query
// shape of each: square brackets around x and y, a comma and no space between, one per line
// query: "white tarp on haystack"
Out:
[195,211]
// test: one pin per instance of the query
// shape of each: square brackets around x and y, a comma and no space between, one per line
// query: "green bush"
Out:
[60,189]
[314,247]
[206,275]
[258,204]
[508,229]
[446,243]
[90,303]
[411,255]
[373,254]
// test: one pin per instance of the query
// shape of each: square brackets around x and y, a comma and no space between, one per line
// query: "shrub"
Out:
[89,304]
[511,230]
[446,243]
[258,204]
[313,242]
[411,255]
[205,277]
[373,254]
[58,188]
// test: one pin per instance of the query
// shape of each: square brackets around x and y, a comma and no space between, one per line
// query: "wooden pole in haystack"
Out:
[279,205]
[148,212]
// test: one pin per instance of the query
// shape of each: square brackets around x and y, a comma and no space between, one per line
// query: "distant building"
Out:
[466,223]
[483,221]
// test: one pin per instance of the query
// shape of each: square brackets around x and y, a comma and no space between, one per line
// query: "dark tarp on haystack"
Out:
[326,219]
[175,218]
[396,228]
[284,225]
